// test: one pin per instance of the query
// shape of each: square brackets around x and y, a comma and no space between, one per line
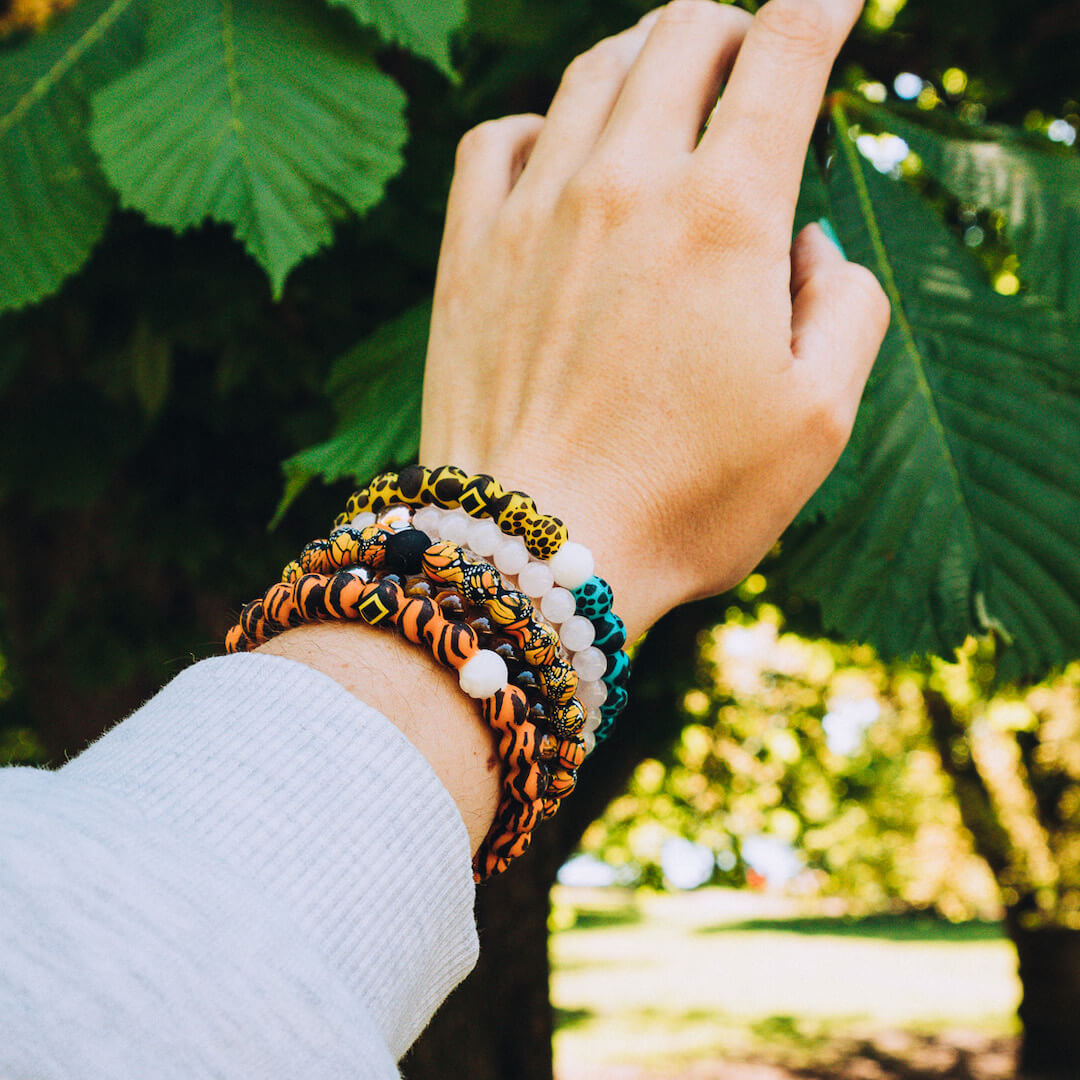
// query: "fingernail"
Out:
[825,225]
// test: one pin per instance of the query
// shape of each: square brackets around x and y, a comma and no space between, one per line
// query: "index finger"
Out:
[768,109]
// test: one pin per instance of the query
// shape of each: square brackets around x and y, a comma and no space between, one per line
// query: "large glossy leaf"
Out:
[376,388]
[1032,181]
[260,114]
[423,26]
[966,515]
[54,201]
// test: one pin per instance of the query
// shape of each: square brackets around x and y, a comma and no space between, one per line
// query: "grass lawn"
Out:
[667,980]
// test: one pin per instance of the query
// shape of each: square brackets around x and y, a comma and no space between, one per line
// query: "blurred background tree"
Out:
[154,372]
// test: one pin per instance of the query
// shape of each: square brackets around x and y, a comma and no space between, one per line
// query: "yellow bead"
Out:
[414,485]
[291,572]
[383,491]
[478,493]
[515,511]
[359,502]
[544,535]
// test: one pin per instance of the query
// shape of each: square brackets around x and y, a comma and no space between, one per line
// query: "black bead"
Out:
[405,551]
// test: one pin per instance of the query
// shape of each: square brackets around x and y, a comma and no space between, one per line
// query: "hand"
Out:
[622,327]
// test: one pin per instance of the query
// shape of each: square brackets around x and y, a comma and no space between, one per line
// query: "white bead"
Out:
[455,526]
[590,742]
[395,516]
[577,633]
[483,674]
[426,519]
[558,605]
[512,556]
[362,521]
[592,720]
[592,694]
[590,663]
[571,565]
[484,537]
[361,572]
[535,579]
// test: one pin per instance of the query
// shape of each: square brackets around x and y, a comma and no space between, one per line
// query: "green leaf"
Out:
[422,26]
[54,202]
[967,451]
[259,114]
[376,388]
[1033,182]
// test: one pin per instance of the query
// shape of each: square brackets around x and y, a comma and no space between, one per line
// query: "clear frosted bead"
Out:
[571,565]
[395,516]
[592,720]
[361,572]
[577,633]
[426,519]
[592,694]
[362,521]
[590,663]
[511,556]
[535,580]
[558,605]
[483,674]
[455,526]
[484,537]
[590,742]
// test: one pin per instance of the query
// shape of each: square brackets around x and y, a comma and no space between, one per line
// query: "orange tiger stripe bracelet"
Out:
[530,790]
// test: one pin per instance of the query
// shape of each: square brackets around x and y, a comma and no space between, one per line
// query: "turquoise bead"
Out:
[616,702]
[610,633]
[618,670]
[593,598]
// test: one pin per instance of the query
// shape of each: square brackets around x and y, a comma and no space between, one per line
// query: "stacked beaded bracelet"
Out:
[541,767]
[522,543]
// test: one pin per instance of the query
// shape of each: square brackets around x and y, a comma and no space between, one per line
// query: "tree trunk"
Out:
[1049,964]
[497,1025]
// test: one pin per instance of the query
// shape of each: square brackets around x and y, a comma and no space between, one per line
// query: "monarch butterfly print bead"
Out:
[571,753]
[412,484]
[510,608]
[558,682]
[480,581]
[291,571]
[315,558]
[345,547]
[513,512]
[444,562]
[371,546]
[544,536]
[478,493]
[561,782]
[446,484]
[539,643]
[567,720]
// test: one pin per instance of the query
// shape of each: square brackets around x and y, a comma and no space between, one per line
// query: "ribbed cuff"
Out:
[319,799]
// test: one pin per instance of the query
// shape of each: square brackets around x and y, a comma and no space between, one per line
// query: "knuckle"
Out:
[493,135]
[603,190]
[601,63]
[799,27]
[689,11]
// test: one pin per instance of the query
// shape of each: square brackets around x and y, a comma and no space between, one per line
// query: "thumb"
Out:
[839,315]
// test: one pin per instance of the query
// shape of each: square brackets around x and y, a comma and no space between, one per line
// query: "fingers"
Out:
[771,102]
[674,82]
[839,317]
[489,161]
[589,89]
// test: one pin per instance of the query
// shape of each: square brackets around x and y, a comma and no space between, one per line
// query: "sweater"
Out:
[254,875]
